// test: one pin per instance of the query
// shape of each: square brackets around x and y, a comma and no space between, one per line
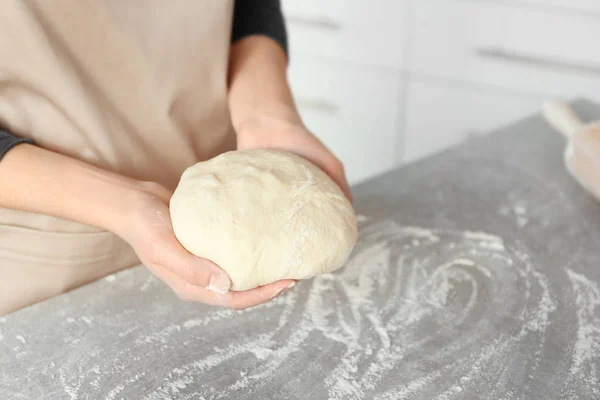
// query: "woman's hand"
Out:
[151,235]
[295,138]
[262,107]
[37,180]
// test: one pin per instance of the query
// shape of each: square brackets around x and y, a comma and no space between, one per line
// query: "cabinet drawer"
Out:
[353,110]
[440,116]
[558,5]
[506,46]
[363,31]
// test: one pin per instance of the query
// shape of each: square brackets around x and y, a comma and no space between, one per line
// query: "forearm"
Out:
[259,92]
[37,180]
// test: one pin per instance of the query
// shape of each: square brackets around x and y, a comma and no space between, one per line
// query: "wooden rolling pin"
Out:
[582,154]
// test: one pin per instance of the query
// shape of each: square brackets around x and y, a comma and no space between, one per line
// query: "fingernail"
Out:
[219,284]
[278,292]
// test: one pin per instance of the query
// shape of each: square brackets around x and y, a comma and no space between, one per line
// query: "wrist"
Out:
[128,213]
[98,197]
[40,181]
[116,209]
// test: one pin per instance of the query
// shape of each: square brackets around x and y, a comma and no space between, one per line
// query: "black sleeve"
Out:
[259,17]
[8,141]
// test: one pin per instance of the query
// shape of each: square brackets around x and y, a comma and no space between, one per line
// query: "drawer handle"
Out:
[318,105]
[496,53]
[323,23]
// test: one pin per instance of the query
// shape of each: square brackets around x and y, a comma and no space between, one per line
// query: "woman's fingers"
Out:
[340,179]
[191,278]
[194,270]
[155,243]
[335,169]
[232,299]
[254,297]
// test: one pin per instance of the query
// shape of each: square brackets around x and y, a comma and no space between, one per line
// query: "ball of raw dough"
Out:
[262,216]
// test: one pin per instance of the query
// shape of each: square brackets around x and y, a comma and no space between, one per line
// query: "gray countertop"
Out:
[477,275]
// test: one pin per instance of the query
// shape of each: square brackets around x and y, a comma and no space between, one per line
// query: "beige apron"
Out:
[137,87]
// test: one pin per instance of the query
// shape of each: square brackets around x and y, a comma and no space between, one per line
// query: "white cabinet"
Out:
[565,5]
[353,110]
[440,116]
[521,49]
[387,81]
[367,32]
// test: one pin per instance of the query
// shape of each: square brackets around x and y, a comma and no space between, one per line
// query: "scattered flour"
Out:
[415,313]
[262,353]
[112,395]
[378,308]
[517,210]
[585,367]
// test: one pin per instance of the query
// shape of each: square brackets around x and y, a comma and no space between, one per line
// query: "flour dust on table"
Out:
[416,313]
